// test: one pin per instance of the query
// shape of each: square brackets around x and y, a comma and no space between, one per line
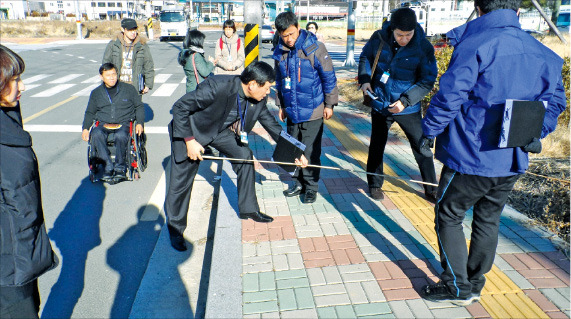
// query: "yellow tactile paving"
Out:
[501,297]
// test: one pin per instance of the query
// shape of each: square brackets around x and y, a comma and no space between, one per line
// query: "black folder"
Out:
[522,121]
[287,150]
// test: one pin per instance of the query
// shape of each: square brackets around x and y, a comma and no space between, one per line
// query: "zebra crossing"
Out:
[46,85]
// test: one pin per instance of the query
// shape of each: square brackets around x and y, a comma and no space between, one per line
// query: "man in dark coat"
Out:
[112,105]
[220,113]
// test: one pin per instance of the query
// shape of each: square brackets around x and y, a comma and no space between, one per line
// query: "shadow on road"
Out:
[75,233]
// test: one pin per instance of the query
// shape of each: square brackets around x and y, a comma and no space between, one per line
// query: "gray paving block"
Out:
[267,281]
[562,302]
[400,309]
[304,298]
[292,283]
[502,264]
[456,312]
[356,293]
[285,246]
[509,249]
[332,274]
[270,315]
[372,309]
[373,291]
[259,296]
[518,279]
[259,307]
[295,261]
[332,300]
[250,282]
[299,273]
[303,313]
[286,298]
[524,245]
[419,308]
[316,276]
[327,312]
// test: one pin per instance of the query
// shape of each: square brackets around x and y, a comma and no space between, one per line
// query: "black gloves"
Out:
[533,146]
[425,145]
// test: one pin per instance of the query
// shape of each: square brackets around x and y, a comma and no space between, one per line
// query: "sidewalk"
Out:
[348,256]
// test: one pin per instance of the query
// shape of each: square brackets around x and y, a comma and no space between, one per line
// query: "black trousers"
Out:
[20,302]
[183,173]
[99,136]
[309,133]
[464,268]
[412,126]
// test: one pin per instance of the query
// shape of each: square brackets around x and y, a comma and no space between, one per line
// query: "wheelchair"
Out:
[135,157]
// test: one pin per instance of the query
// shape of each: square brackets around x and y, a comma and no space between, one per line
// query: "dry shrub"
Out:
[100,29]
[553,42]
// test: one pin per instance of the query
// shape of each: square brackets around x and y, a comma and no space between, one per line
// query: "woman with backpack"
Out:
[229,53]
[192,60]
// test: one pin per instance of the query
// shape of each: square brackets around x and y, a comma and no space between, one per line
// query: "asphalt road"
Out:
[104,234]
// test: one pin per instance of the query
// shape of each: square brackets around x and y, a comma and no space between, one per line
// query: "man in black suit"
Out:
[220,112]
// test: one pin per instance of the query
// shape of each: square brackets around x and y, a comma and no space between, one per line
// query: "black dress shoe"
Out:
[376,193]
[177,242]
[310,197]
[431,197]
[257,217]
[293,191]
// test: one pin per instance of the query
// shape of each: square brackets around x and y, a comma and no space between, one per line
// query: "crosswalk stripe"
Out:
[66,78]
[93,61]
[35,78]
[94,79]
[77,128]
[54,90]
[162,78]
[87,90]
[31,86]
[183,80]
[166,89]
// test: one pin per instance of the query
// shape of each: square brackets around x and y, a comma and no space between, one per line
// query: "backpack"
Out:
[221,43]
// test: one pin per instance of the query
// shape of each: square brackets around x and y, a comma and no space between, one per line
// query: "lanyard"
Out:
[109,96]
[227,45]
[130,48]
[242,116]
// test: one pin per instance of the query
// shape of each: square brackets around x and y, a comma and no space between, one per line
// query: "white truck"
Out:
[439,17]
[174,23]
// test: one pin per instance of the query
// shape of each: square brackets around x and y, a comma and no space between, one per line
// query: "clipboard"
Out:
[521,123]
[287,150]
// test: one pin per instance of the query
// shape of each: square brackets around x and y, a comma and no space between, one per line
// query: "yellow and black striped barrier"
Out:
[150,23]
[251,48]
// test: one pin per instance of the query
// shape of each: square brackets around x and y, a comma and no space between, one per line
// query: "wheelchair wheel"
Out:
[141,142]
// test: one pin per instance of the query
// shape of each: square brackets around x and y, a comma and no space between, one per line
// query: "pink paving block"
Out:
[557,315]
[315,263]
[275,234]
[540,300]
[394,270]
[536,273]
[388,204]
[355,256]
[320,244]
[254,238]
[341,242]
[415,273]
[528,261]
[561,274]
[547,283]
[340,257]
[289,233]
[395,284]
[379,270]
[477,311]
[317,255]
[401,294]
[514,261]
[543,260]
[418,283]
[413,263]
[281,221]
[306,245]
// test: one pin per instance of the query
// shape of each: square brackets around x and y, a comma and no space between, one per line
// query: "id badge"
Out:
[288,83]
[128,64]
[385,77]
[229,57]
[244,137]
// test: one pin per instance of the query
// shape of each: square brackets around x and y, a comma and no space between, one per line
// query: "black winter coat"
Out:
[25,249]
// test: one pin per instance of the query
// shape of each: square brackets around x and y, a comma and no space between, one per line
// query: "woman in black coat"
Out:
[25,249]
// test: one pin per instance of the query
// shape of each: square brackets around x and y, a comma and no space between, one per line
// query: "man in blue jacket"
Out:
[306,94]
[404,74]
[493,60]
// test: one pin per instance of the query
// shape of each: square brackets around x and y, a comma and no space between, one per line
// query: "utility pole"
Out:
[350,55]
[551,25]
[253,10]
[78,21]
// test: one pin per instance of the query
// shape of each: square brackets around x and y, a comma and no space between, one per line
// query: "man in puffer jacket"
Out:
[130,53]
[306,94]
[404,74]
[493,60]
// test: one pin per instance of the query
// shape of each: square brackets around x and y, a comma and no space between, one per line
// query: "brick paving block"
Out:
[269,315]
[536,273]
[380,271]
[390,284]
[401,294]
[332,275]
[540,300]
[515,262]
[561,274]
[561,301]
[456,312]
[478,311]
[250,282]
[419,308]
[253,316]
[400,309]
[558,315]
[286,298]
[547,282]
[373,291]
[524,245]
[336,312]
[332,300]
[267,281]
[257,266]
[372,309]
[303,313]
[259,296]
[356,293]
[329,289]
[358,272]
[394,270]
[509,249]
[327,312]
[501,263]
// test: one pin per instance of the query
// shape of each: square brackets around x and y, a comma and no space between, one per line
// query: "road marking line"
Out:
[183,80]
[54,90]
[93,79]
[35,78]
[166,89]
[55,128]
[155,205]
[162,78]
[93,61]
[31,86]
[48,109]
[66,78]
[87,90]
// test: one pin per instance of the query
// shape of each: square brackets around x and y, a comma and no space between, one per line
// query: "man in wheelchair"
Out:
[112,106]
